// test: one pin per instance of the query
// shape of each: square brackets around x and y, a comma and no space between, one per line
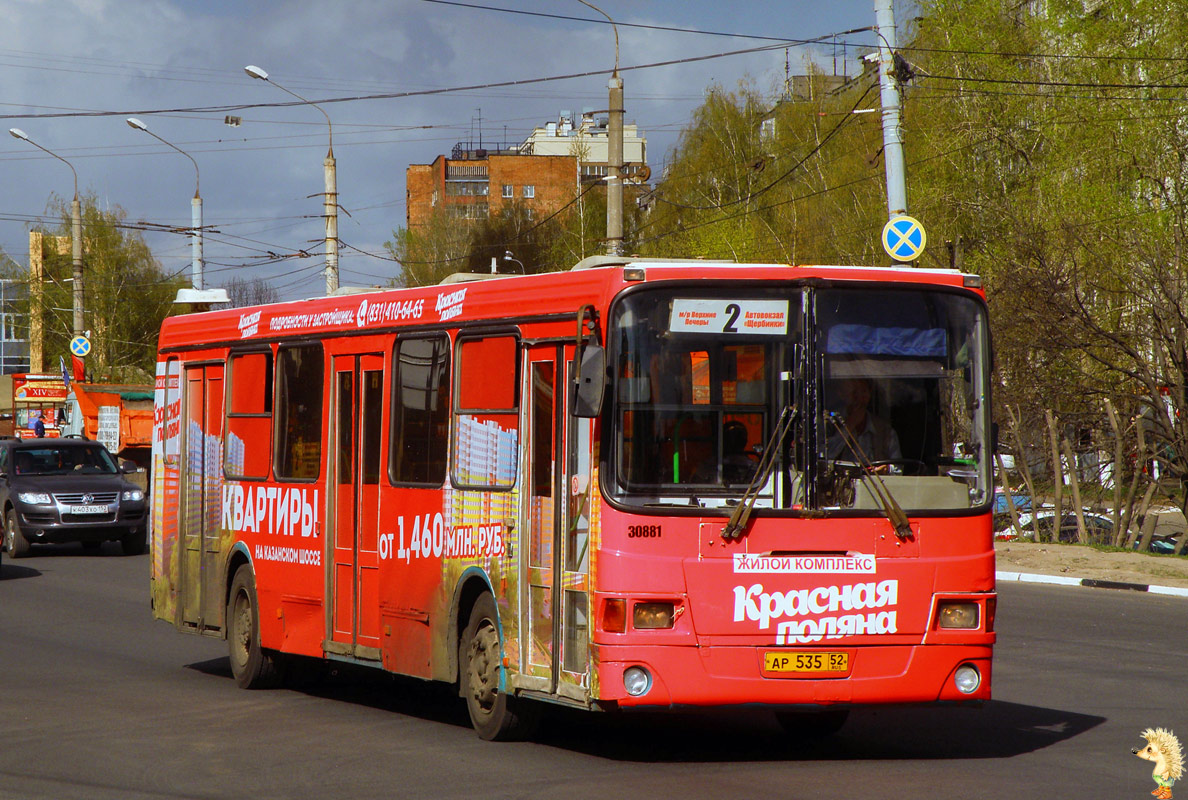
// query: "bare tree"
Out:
[254,292]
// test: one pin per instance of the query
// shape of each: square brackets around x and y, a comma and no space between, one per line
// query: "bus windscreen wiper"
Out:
[742,512]
[874,484]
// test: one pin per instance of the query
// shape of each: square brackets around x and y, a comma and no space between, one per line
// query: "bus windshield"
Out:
[883,384]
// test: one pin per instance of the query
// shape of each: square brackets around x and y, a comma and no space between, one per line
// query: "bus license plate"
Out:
[88,509]
[827,662]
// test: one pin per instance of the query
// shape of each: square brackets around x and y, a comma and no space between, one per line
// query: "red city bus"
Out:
[636,484]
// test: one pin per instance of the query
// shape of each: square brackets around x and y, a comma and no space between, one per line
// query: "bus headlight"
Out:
[637,681]
[967,679]
[653,616]
[958,615]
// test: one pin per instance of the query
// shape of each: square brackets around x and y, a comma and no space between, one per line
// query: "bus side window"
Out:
[297,417]
[486,413]
[249,415]
[420,411]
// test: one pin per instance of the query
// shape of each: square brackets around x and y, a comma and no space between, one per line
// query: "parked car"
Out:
[1164,544]
[1002,514]
[68,490]
[1099,528]
[1022,502]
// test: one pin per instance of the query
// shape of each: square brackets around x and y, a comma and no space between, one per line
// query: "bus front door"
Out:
[354,487]
[202,469]
[554,528]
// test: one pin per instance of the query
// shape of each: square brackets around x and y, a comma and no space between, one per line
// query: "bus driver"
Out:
[873,434]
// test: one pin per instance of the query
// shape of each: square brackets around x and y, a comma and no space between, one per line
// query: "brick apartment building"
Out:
[483,182]
[542,173]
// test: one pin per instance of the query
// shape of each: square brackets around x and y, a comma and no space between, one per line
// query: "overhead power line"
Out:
[225,109]
[824,38]
[1063,84]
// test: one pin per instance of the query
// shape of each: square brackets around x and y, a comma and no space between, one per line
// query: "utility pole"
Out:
[889,95]
[614,151]
[330,204]
[614,157]
[195,203]
[76,259]
[75,232]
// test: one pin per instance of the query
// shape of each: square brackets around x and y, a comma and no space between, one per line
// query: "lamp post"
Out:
[330,204]
[614,150]
[195,204]
[75,231]
[889,95]
[507,256]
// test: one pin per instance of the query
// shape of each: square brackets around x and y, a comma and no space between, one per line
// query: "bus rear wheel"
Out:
[251,665]
[494,715]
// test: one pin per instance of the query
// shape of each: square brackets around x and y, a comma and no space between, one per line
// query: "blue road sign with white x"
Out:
[904,238]
[80,346]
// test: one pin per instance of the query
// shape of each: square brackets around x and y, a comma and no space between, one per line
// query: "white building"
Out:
[587,139]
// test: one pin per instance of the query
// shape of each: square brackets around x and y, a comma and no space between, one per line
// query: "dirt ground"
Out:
[1079,561]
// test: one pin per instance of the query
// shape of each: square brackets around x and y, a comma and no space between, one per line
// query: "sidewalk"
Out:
[1077,565]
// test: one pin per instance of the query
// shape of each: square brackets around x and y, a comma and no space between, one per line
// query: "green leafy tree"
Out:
[1044,141]
[126,294]
[429,253]
[786,180]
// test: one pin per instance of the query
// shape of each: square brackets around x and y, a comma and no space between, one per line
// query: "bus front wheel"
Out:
[494,715]
[252,666]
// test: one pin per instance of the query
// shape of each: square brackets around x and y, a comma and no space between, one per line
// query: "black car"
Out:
[68,490]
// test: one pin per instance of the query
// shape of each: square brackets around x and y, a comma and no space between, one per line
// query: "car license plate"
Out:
[88,509]
[815,661]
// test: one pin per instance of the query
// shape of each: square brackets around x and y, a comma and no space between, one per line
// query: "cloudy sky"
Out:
[71,71]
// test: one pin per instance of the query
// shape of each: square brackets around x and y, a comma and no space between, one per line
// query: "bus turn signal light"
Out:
[958,615]
[653,616]
[614,615]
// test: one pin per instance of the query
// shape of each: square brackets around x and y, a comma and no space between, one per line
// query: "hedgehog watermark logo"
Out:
[1163,748]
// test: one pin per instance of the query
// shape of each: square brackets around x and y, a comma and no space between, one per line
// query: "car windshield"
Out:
[55,460]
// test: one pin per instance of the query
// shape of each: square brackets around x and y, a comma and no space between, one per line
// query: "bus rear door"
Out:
[354,486]
[202,465]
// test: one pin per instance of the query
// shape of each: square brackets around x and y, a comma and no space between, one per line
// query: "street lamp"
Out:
[195,204]
[75,230]
[330,204]
[614,150]
[507,256]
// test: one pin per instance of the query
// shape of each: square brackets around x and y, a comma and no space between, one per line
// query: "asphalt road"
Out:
[99,701]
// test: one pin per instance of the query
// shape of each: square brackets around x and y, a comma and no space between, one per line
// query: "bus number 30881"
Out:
[643,531]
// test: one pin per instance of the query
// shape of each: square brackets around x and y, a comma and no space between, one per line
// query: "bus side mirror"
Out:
[591,382]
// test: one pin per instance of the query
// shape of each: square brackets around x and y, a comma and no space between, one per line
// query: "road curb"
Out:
[1061,580]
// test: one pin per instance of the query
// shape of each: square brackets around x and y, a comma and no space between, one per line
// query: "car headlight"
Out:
[34,498]
[135,495]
